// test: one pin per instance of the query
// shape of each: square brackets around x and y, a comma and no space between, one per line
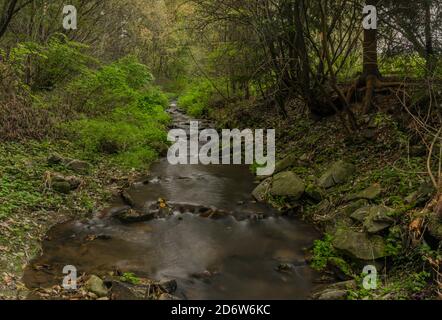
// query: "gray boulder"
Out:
[64,184]
[315,193]
[359,245]
[287,184]
[370,193]
[374,218]
[333,294]
[339,172]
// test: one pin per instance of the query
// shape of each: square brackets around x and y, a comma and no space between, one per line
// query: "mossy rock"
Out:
[78,166]
[289,161]
[370,193]
[359,245]
[338,173]
[95,285]
[374,218]
[314,193]
[287,184]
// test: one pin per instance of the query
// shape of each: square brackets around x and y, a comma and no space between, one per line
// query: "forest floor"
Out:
[389,176]
[30,206]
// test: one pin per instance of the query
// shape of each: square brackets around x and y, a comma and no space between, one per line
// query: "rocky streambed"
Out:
[186,231]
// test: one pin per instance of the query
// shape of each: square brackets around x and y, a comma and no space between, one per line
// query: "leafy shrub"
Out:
[51,64]
[324,253]
[116,85]
[197,98]
[120,113]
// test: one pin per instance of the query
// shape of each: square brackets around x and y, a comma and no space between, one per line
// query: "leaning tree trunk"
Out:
[6,15]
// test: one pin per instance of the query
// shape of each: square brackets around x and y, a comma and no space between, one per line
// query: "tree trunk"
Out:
[370,47]
[370,74]
[429,51]
[7,13]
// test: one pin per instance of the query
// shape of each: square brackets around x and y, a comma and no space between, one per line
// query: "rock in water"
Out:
[133,216]
[359,245]
[96,285]
[287,184]
[127,198]
[169,286]
[261,190]
[340,172]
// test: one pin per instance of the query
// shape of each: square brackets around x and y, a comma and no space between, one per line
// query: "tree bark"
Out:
[429,50]
[8,11]
[370,49]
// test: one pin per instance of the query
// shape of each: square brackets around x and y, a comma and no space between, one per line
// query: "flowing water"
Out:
[236,257]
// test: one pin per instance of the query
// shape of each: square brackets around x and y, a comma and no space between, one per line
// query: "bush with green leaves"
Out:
[196,98]
[119,113]
[45,66]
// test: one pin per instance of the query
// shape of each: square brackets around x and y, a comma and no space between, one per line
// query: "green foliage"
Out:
[53,63]
[130,278]
[404,65]
[393,245]
[324,253]
[196,98]
[116,85]
[22,170]
[122,114]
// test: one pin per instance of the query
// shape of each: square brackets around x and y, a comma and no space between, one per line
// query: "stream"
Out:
[236,256]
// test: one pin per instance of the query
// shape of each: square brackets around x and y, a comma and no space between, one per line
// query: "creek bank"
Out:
[45,184]
[164,211]
[368,193]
